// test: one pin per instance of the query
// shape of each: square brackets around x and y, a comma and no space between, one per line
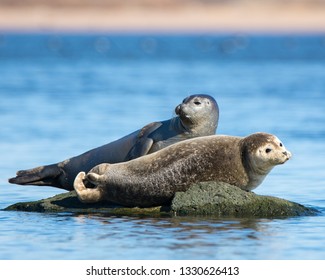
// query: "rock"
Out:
[221,199]
[69,202]
[209,198]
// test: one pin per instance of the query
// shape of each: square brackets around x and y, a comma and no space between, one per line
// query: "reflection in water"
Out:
[200,237]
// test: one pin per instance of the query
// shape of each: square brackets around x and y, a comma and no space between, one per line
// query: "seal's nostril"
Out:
[285,153]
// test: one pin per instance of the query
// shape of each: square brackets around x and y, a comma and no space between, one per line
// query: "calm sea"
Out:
[63,94]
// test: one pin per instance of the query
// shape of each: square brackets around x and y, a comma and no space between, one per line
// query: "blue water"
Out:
[63,94]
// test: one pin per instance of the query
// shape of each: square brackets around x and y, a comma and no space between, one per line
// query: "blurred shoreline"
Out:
[163,16]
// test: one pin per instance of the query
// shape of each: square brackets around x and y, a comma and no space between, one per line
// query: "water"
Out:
[63,94]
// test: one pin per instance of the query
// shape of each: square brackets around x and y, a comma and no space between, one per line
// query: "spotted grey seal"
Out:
[196,116]
[153,179]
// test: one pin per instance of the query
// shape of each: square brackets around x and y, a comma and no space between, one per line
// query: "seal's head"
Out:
[260,153]
[199,113]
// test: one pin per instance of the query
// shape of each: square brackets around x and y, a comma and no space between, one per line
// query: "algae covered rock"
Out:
[209,198]
[221,199]
[69,202]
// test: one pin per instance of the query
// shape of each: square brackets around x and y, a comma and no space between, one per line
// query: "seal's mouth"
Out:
[287,156]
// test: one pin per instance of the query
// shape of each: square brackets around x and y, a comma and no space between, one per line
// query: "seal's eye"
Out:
[268,150]
[281,145]
[197,102]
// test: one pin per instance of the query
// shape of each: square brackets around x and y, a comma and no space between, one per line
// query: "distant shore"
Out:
[187,18]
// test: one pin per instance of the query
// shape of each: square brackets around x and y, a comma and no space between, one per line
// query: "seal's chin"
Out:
[284,161]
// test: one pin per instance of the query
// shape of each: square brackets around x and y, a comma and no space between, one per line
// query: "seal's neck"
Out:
[254,181]
[178,125]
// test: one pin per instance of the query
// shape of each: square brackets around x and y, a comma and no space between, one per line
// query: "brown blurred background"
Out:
[164,15]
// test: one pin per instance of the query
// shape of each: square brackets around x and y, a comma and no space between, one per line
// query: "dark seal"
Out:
[197,115]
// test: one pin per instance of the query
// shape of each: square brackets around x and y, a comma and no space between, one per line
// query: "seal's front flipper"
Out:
[141,148]
[39,176]
[144,142]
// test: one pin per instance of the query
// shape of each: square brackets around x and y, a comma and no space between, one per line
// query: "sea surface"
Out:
[62,94]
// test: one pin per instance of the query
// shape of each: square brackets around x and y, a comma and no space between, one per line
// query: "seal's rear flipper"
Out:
[84,194]
[39,176]
[94,178]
